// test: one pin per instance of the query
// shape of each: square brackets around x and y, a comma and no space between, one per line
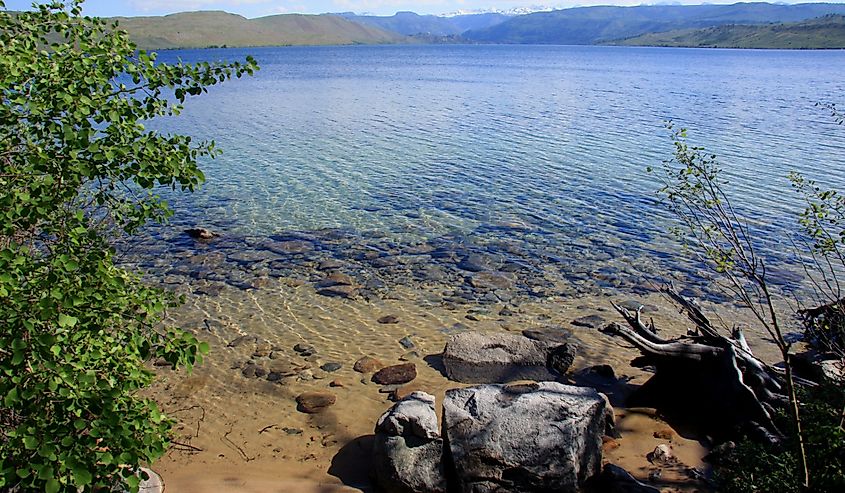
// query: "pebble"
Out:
[251,370]
[664,433]
[407,343]
[336,383]
[609,443]
[239,341]
[409,356]
[662,455]
[338,291]
[201,233]
[396,374]
[490,280]
[303,348]
[330,264]
[330,367]
[389,319]
[473,263]
[367,364]
[314,402]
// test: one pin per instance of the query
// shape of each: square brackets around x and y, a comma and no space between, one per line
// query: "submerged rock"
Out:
[474,263]
[389,319]
[331,366]
[201,233]
[407,343]
[491,281]
[471,357]
[535,437]
[314,402]
[367,364]
[408,450]
[590,321]
[396,374]
[338,291]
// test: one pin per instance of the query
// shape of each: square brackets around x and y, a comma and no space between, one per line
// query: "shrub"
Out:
[77,167]
[752,467]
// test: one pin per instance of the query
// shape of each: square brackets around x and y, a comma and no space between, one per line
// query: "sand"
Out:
[239,434]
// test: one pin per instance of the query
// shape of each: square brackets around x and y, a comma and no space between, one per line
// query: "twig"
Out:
[226,440]
[262,430]
[186,447]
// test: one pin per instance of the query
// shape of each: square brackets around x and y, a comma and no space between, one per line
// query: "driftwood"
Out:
[704,377]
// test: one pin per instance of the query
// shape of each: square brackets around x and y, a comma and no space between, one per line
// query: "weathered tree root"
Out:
[704,376]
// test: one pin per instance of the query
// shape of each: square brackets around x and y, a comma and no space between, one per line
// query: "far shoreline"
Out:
[608,45]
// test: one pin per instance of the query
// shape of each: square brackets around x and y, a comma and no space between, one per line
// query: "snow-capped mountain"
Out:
[513,11]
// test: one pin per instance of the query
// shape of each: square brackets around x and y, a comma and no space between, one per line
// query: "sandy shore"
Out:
[242,434]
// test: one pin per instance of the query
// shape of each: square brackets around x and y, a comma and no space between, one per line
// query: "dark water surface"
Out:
[534,155]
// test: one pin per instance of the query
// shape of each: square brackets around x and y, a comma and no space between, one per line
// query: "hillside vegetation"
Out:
[594,25]
[203,29]
[823,32]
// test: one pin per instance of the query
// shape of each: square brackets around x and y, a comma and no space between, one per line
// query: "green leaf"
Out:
[51,486]
[11,397]
[30,442]
[67,321]
[81,476]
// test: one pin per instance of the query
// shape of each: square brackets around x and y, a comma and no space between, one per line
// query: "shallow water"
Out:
[482,188]
[542,146]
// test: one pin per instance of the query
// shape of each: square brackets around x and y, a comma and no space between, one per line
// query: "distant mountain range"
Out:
[664,25]
[592,25]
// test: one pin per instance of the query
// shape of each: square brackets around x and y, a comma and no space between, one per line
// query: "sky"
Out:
[258,8]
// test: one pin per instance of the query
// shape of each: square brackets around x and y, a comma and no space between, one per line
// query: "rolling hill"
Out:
[410,23]
[212,28]
[592,25]
[822,32]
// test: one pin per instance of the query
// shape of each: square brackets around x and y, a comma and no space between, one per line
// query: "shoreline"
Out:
[475,43]
[253,438]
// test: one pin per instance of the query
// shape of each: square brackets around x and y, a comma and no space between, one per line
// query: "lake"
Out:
[421,142]
[378,200]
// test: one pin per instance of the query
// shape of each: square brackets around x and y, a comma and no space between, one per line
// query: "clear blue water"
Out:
[420,142]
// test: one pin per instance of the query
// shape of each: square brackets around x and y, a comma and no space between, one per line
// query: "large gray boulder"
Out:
[535,437]
[471,357]
[408,450]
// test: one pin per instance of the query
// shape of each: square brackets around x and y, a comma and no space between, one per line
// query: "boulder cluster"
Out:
[532,435]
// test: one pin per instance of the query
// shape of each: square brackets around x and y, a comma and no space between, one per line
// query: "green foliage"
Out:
[752,467]
[77,167]
[823,222]
[693,190]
